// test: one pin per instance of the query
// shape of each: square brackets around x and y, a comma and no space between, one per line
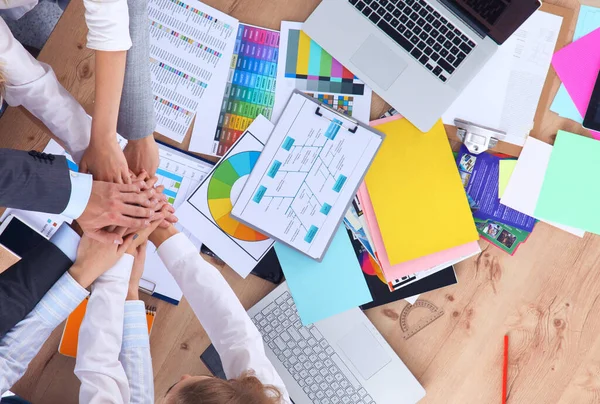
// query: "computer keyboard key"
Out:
[388,17]
[427,28]
[444,53]
[435,57]
[395,23]
[410,2]
[415,39]
[360,6]
[353,2]
[471,44]
[446,66]
[383,2]
[443,29]
[423,12]
[403,19]
[424,59]
[442,19]
[437,70]
[465,48]
[450,35]
[423,36]
[457,31]
[431,42]
[374,17]
[366,11]
[414,16]
[368,1]
[397,13]
[416,7]
[448,45]
[436,23]
[434,34]
[381,11]
[451,58]
[401,28]
[395,35]
[430,67]
[450,26]
[428,51]
[454,50]
[437,47]
[390,7]
[456,41]
[421,22]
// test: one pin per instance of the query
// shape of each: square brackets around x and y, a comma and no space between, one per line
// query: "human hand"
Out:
[106,162]
[142,154]
[162,234]
[137,271]
[95,258]
[126,205]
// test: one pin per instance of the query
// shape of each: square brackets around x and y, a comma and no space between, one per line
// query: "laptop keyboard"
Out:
[307,356]
[422,31]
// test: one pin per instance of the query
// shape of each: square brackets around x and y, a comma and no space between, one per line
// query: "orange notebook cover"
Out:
[70,337]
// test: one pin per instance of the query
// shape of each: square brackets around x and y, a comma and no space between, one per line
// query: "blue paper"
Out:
[587,22]
[323,289]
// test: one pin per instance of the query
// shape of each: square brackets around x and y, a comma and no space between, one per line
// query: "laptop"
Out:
[418,55]
[342,359]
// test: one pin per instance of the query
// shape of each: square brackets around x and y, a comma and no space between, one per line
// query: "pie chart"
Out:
[229,178]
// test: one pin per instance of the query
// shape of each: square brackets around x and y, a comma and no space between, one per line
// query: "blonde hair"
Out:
[246,389]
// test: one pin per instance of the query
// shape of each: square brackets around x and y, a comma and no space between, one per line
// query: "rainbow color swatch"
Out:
[220,186]
[316,70]
[251,87]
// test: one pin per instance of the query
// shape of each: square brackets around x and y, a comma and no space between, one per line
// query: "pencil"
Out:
[505,370]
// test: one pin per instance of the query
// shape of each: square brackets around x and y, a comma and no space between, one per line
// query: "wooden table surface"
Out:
[546,297]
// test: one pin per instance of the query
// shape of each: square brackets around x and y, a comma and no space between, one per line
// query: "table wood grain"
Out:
[546,297]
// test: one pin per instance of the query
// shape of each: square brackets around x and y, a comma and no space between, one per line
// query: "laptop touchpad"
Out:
[378,62]
[364,351]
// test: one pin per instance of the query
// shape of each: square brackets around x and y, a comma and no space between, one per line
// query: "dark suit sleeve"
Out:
[34,181]
[24,284]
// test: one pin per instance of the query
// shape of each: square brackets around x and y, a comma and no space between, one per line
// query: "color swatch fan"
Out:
[224,187]
[207,212]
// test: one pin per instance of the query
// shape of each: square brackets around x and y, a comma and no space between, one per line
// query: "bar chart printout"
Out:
[190,52]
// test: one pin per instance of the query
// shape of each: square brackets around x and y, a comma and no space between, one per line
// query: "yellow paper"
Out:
[506,169]
[417,193]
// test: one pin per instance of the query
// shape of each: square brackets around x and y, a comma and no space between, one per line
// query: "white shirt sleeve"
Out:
[81,190]
[102,377]
[108,25]
[220,312]
[34,86]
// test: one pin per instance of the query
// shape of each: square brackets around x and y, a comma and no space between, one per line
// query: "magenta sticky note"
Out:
[577,66]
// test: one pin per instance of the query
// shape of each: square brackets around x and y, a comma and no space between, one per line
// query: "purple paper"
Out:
[479,174]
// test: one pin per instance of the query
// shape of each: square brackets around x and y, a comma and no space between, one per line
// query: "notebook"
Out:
[70,337]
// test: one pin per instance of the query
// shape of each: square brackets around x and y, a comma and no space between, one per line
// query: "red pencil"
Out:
[505,370]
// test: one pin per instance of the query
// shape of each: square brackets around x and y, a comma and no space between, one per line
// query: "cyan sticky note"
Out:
[323,289]
[588,21]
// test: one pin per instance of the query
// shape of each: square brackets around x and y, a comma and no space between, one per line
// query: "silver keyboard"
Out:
[307,356]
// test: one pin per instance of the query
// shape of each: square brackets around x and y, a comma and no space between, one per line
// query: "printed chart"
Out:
[315,70]
[305,66]
[250,87]
[190,44]
[209,206]
[221,192]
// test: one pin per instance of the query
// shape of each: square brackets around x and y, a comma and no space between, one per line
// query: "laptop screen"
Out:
[498,19]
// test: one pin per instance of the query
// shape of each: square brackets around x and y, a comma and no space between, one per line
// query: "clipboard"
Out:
[316,236]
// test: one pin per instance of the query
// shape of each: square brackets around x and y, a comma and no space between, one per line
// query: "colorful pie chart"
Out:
[233,169]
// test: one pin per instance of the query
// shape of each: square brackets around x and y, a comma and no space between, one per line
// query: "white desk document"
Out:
[307,175]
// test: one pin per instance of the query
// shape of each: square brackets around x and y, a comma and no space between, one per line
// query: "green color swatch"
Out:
[571,190]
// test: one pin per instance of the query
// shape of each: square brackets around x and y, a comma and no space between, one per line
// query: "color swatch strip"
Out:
[251,87]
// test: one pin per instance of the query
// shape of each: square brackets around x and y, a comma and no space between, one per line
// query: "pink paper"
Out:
[445,258]
[577,66]
[385,120]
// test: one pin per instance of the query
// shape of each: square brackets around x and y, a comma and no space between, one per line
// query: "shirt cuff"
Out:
[81,190]
[67,240]
[122,269]
[135,325]
[60,301]
[108,25]
[175,248]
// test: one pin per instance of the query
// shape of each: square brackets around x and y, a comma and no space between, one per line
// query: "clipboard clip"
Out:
[143,288]
[477,138]
[341,115]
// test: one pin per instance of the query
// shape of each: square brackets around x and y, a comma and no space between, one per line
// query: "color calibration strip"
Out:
[200,13]
[316,70]
[251,90]
[184,38]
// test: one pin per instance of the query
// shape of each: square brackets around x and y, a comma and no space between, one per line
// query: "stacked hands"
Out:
[124,209]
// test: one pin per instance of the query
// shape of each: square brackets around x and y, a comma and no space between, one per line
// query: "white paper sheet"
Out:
[306,177]
[286,84]
[191,45]
[506,92]
[523,190]
[206,212]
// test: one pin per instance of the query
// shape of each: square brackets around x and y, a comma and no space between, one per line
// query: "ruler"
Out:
[411,329]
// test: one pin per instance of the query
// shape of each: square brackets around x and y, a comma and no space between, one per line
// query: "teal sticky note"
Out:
[323,289]
[570,192]
[587,22]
